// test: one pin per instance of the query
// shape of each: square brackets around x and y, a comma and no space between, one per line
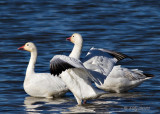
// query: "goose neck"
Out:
[32,61]
[76,51]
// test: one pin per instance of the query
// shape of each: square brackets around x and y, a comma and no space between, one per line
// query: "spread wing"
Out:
[61,63]
[102,60]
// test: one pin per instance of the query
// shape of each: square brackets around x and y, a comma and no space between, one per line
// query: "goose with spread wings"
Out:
[102,65]
[75,76]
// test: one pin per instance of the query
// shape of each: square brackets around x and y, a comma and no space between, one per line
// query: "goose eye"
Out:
[73,36]
[27,44]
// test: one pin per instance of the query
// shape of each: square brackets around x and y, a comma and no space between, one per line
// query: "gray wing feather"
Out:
[61,63]
[106,53]
[119,56]
[102,60]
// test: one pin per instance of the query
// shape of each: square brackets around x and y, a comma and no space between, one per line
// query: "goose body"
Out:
[102,65]
[41,84]
[75,76]
[123,79]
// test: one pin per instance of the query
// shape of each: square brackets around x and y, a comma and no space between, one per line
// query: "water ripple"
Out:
[127,26]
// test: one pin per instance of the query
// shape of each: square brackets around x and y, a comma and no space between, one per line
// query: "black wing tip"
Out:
[55,73]
[56,68]
[148,75]
[122,56]
[118,55]
[51,70]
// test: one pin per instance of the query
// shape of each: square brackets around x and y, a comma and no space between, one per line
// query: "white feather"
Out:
[77,78]
[41,84]
[101,65]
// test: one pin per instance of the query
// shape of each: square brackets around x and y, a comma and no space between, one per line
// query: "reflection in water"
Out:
[66,105]
[80,109]
[122,95]
[34,104]
[104,103]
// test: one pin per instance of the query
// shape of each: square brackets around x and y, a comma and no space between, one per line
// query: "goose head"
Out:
[29,46]
[76,39]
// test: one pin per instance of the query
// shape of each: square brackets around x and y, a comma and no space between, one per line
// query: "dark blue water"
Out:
[128,26]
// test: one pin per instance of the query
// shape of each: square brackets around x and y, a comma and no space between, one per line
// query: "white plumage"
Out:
[122,79]
[41,84]
[101,64]
[75,76]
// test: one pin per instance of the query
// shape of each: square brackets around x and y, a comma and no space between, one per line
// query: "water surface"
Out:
[128,26]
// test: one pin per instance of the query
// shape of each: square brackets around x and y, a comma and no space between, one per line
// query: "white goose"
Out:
[41,84]
[101,63]
[75,76]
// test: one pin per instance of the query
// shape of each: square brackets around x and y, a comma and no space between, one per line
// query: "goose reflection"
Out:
[81,109]
[122,95]
[103,103]
[35,104]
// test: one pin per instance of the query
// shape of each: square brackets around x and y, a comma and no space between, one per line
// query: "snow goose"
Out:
[41,84]
[101,63]
[75,76]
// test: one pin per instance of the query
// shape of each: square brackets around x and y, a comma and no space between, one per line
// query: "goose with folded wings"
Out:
[41,84]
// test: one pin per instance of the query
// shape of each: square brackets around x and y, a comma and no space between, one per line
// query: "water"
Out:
[128,26]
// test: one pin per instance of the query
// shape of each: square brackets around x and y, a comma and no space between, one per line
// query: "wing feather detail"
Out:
[106,53]
[119,56]
[60,63]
